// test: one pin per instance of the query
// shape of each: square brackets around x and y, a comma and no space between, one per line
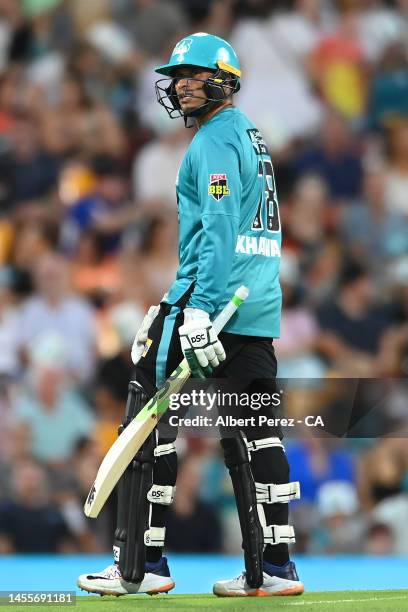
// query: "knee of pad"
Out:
[163,487]
[136,400]
[235,451]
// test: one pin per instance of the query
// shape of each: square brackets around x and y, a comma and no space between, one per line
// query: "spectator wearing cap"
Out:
[339,529]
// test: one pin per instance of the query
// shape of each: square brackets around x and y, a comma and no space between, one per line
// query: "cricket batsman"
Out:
[230,234]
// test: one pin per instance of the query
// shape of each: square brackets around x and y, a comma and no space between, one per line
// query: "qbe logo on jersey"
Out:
[218,187]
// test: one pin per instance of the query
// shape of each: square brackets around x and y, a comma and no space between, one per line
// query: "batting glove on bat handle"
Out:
[142,333]
[199,343]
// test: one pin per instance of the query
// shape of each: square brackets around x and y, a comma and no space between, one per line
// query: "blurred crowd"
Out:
[88,241]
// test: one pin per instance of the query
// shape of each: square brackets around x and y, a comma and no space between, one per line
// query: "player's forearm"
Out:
[217,249]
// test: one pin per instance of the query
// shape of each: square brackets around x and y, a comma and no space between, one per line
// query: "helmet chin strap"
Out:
[203,110]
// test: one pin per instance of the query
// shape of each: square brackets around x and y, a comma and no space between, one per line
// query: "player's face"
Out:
[189,86]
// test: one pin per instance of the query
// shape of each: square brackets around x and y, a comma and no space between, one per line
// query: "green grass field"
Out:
[318,602]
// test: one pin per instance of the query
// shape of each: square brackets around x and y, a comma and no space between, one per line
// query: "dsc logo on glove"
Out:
[199,338]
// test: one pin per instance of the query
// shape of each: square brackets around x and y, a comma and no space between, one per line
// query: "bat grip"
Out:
[229,309]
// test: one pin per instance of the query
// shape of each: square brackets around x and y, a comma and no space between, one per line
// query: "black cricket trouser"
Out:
[251,363]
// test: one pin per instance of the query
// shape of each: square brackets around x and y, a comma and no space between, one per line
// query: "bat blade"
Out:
[130,440]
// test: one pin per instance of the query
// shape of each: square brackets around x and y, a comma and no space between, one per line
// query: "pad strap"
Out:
[275,534]
[255,445]
[164,449]
[161,494]
[277,493]
[279,534]
[154,536]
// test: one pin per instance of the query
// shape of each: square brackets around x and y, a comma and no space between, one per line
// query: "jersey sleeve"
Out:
[217,165]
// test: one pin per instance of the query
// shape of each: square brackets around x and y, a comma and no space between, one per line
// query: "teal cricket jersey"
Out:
[229,225]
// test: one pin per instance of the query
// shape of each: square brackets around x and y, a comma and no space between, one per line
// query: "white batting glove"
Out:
[142,333]
[199,343]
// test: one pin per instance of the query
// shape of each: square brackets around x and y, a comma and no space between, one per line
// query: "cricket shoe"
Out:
[277,580]
[157,579]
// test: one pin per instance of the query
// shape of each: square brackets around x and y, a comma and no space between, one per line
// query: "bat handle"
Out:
[229,309]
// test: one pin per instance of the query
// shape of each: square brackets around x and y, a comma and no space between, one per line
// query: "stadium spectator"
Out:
[151,188]
[382,471]
[26,157]
[381,27]
[9,328]
[379,539]
[392,513]
[104,209]
[292,110]
[294,349]
[34,239]
[316,461]
[95,274]
[389,87]
[155,262]
[339,529]
[394,353]
[306,219]
[354,324]
[397,172]
[29,521]
[374,234]
[335,157]
[338,64]
[53,308]
[153,24]
[50,407]
[86,127]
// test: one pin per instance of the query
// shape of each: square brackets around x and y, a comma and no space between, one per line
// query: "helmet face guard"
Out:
[216,89]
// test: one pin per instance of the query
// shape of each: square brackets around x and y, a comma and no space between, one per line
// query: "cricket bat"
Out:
[132,437]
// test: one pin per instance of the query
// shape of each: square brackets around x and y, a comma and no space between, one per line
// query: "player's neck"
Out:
[201,120]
